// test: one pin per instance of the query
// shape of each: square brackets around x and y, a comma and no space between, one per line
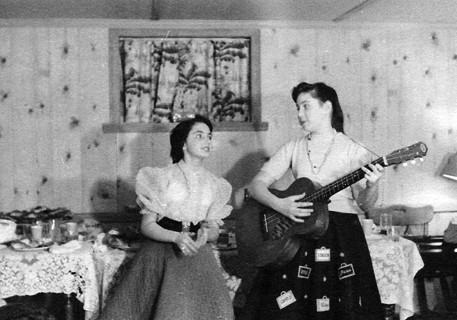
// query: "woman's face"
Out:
[198,143]
[312,113]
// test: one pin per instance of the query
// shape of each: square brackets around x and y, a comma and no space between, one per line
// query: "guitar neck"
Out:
[326,192]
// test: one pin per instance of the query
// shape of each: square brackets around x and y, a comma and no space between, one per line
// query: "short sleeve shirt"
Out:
[344,157]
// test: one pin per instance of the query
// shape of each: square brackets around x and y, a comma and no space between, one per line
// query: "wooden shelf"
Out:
[166,127]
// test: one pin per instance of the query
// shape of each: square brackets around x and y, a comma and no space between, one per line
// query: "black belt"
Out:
[174,225]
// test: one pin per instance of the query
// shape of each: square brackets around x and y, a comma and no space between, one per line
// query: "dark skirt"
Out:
[343,288]
[163,284]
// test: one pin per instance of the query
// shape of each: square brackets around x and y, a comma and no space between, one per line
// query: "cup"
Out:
[367,225]
[37,232]
[72,230]
[396,232]
[54,230]
[385,223]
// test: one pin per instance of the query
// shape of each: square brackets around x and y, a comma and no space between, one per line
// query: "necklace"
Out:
[315,169]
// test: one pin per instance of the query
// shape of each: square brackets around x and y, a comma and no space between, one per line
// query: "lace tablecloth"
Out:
[395,264]
[30,273]
[110,266]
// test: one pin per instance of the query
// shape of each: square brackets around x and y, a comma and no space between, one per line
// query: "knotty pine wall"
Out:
[397,85]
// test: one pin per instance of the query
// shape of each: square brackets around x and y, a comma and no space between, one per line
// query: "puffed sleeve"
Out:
[219,208]
[151,184]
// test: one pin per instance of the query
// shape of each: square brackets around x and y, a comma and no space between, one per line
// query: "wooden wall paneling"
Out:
[276,60]
[412,176]
[301,67]
[374,89]
[448,198]
[435,115]
[24,130]
[234,159]
[302,55]
[125,182]
[375,133]
[135,151]
[391,184]
[274,89]
[287,59]
[98,150]
[6,121]
[452,94]
[42,113]
[433,46]
[66,117]
[324,47]
[346,78]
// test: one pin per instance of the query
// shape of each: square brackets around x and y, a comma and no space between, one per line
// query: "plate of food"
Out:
[116,240]
[26,246]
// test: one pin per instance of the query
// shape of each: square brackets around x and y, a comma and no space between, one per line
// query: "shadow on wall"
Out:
[105,196]
[241,174]
[117,193]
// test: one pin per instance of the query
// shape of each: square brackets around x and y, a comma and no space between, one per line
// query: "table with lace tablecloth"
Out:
[395,264]
[33,272]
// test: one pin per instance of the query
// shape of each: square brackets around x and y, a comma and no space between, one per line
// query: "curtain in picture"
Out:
[172,79]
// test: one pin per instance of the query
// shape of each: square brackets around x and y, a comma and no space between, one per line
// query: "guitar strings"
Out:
[322,194]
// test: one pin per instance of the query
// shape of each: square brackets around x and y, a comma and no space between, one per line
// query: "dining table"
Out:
[33,271]
[92,274]
[395,264]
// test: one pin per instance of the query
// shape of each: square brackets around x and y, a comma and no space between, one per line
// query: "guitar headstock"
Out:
[417,150]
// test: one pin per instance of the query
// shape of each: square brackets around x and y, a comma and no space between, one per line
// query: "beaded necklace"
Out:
[315,169]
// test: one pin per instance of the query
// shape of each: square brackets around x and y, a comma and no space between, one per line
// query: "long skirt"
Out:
[329,278]
[162,284]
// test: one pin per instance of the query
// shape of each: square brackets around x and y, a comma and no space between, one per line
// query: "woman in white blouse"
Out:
[175,275]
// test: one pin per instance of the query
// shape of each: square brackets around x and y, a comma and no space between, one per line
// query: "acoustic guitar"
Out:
[266,237]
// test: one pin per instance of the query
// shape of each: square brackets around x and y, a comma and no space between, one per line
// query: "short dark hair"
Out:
[323,92]
[179,135]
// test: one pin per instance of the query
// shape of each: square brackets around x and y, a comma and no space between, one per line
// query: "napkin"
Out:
[71,246]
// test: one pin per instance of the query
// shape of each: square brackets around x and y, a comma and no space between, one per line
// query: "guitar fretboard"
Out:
[326,192]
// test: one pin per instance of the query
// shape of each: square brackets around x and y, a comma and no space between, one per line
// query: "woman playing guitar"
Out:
[330,277]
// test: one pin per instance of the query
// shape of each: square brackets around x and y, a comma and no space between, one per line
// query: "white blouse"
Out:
[181,194]
[345,157]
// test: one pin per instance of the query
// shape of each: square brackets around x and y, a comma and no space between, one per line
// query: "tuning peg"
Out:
[405,164]
[421,159]
[413,161]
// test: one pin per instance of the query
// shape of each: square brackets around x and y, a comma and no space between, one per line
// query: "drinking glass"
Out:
[385,223]
[37,233]
[72,230]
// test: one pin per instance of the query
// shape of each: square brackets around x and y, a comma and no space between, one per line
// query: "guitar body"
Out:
[259,235]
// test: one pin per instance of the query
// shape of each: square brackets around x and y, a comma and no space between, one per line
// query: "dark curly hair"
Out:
[323,92]
[179,135]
